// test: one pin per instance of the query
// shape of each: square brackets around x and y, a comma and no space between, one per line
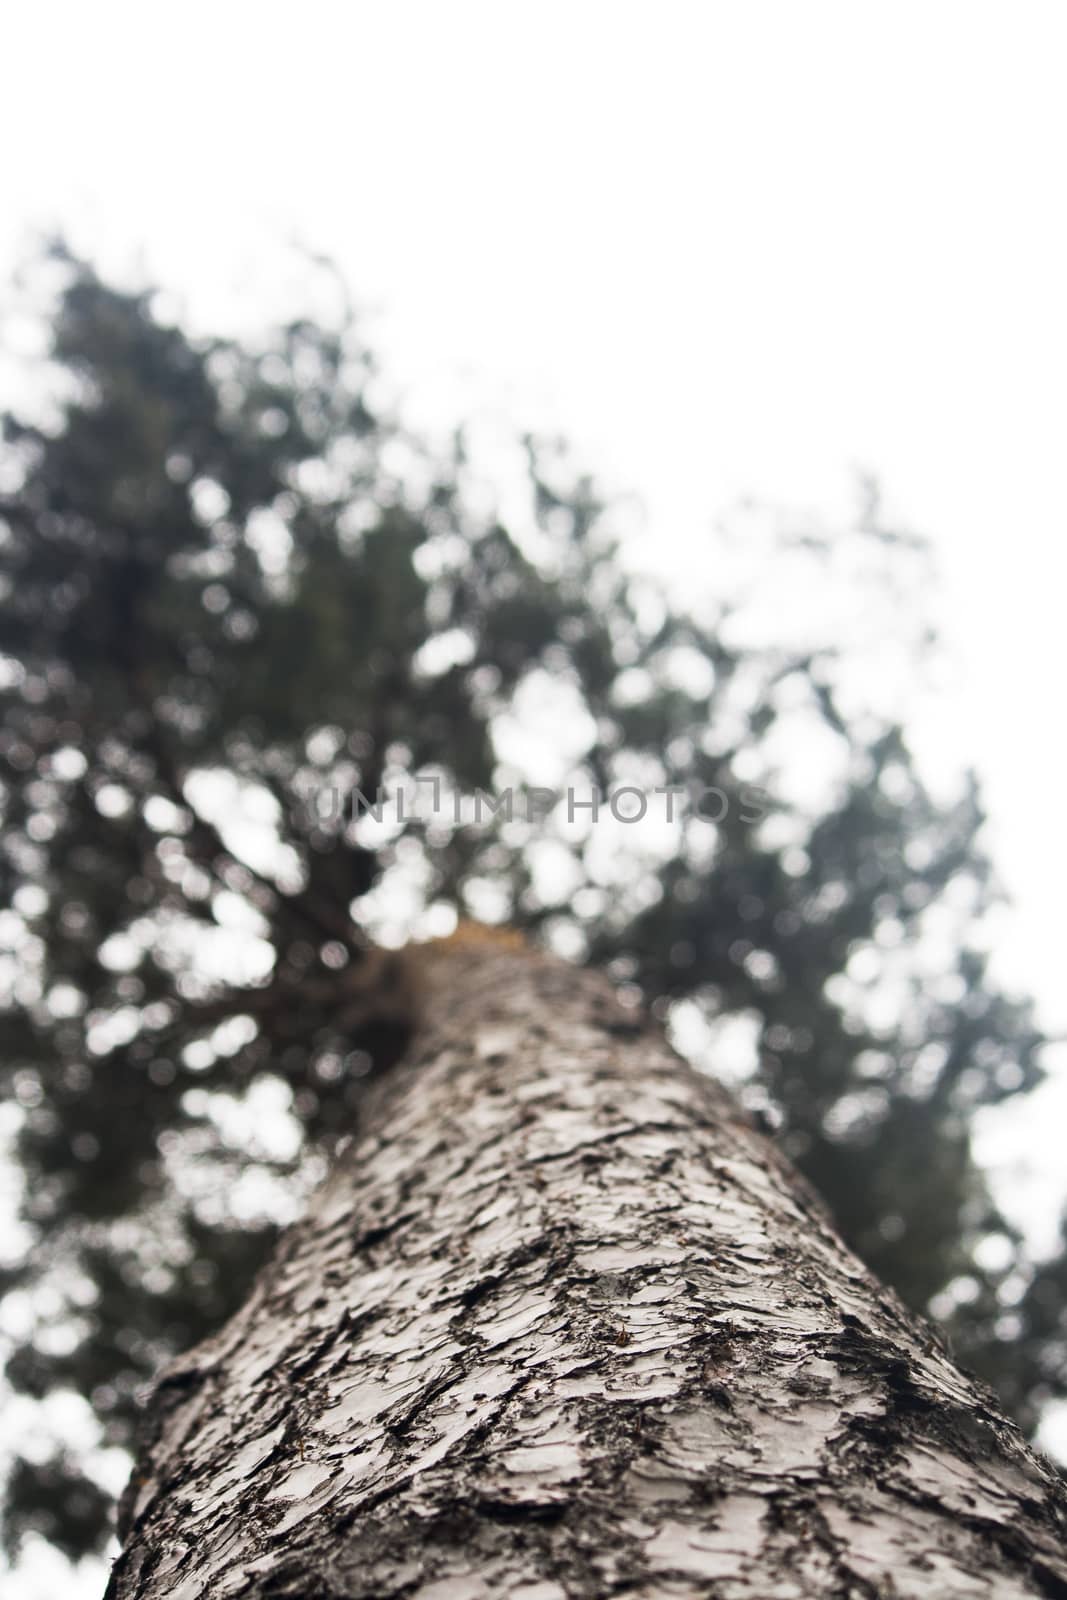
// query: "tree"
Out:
[235,595]
[560,1323]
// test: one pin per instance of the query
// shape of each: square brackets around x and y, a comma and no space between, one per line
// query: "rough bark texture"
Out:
[561,1324]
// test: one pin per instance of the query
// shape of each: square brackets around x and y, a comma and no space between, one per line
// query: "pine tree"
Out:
[236,594]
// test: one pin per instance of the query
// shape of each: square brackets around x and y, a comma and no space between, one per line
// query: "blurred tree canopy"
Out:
[231,582]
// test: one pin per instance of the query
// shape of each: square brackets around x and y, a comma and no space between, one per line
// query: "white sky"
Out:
[729,247]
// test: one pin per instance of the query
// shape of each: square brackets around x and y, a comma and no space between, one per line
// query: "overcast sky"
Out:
[731,248]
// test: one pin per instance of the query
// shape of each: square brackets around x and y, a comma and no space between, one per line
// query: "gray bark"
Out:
[561,1324]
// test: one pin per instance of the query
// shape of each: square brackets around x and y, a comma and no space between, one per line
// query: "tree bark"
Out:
[562,1324]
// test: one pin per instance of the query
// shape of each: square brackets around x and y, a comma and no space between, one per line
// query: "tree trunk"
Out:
[561,1323]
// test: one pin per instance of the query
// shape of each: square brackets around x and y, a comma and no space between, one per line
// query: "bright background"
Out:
[728,248]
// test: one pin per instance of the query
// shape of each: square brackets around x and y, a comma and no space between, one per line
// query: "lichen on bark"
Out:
[562,1324]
